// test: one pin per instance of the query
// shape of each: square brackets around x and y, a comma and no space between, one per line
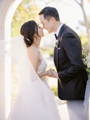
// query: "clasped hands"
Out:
[49,73]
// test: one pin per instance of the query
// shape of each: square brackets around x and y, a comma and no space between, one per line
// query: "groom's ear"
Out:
[52,19]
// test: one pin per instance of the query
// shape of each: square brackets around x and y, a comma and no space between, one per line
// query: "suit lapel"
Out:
[56,48]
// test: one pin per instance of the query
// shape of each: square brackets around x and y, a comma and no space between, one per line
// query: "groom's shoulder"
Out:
[69,31]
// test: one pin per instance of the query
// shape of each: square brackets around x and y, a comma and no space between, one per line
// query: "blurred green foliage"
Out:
[49,51]
[84,40]
[85,50]
[27,10]
[54,89]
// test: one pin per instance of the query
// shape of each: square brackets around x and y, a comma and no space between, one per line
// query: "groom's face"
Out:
[48,23]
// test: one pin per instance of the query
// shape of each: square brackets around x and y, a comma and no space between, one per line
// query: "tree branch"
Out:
[79,3]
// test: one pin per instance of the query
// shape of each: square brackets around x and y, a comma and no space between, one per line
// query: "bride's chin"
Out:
[42,35]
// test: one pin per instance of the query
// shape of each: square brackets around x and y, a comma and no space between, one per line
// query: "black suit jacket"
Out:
[70,67]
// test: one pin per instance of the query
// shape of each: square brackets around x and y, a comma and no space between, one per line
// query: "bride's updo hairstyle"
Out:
[28,30]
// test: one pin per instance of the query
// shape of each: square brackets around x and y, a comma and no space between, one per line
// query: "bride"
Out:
[35,101]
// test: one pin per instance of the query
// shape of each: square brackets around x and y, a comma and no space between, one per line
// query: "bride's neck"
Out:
[35,46]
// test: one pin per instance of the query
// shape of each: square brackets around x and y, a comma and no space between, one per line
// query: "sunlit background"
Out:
[74,13]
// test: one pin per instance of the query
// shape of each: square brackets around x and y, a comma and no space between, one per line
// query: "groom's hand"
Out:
[52,73]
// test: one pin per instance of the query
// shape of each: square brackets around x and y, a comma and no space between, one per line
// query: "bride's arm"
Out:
[43,74]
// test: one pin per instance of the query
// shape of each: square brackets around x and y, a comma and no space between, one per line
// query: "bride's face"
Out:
[40,31]
[37,38]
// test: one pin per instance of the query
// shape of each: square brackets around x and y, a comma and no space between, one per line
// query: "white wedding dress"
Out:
[35,100]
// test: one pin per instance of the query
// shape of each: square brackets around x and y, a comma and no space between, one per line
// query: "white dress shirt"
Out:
[57,32]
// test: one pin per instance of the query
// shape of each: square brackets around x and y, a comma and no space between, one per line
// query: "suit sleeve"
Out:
[72,48]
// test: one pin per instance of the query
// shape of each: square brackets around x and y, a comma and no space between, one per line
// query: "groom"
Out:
[71,71]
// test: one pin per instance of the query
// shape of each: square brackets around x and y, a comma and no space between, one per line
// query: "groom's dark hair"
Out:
[50,12]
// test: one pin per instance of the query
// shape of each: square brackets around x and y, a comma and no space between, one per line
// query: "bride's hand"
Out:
[52,73]
[42,74]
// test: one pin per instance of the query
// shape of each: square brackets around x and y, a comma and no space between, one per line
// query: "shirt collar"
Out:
[59,28]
